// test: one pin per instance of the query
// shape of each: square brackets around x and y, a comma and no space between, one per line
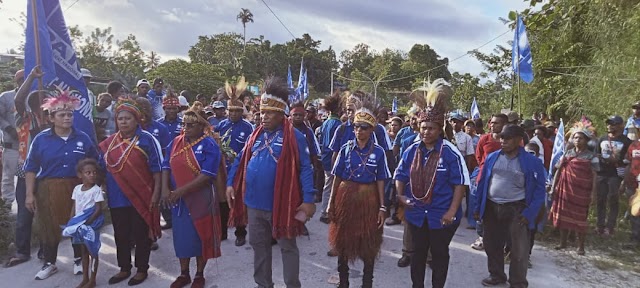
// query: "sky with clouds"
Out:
[170,27]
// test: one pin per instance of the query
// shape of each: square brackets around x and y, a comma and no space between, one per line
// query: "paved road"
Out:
[235,268]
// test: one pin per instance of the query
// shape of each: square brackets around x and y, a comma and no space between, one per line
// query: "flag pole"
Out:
[34,14]
[518,66]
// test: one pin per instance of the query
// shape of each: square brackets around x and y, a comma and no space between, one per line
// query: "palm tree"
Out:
[153,60]
[245,16]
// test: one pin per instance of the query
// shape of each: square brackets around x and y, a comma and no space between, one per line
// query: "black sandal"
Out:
[117,279]
[15,260]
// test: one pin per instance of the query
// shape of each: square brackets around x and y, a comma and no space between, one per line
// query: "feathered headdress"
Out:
[413,110]
[234,92]
[433,100]
[196,114]
[352,99]
[275,96]
[63,102]
[585,127]
[367,110]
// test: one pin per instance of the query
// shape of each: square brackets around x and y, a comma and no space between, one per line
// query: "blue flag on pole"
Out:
[394,106]
[300,88]
[292,93]
[305,87]
[475,112]
[558,149]
[521,53]
[57,58]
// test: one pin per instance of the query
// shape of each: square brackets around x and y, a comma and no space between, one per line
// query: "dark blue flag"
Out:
[57,58]
[521,53]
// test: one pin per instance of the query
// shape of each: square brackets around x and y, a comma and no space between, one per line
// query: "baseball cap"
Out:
[457,116]
[513,116]
[528,124]
[614,120]
[158,81]
[183,101]
[142,81]
[86,73]
[218,104]
[636,105]
[511,130]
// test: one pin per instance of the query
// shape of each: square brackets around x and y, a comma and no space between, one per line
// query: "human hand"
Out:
[36,72]
[476,216]
[381,217]
[30,203]
[523,221]
[448,218]
[230,196]
[307,208]
[404,200]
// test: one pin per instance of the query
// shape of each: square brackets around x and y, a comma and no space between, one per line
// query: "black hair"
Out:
[277,87]
[502,116]
[533,146]
[86,162]
[297,104]
[113,87]
[333,103]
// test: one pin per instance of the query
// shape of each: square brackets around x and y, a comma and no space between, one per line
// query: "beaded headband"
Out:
[269,102]
[130,106]
[170,101]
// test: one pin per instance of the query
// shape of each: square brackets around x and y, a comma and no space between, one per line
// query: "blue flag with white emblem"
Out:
[57,58]
[521,53]
[558,149]
[475,111]
[394,106]
[292,92]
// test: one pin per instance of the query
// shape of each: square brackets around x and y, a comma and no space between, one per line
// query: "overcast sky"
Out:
[170,27]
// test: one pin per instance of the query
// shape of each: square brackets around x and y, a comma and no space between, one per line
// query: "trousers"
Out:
[129,227]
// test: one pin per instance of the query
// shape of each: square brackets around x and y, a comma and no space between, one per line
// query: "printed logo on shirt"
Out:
[199,149]
[635,153]
[241,134]
[156,132]
[79,147]
[441,165]
[372,161]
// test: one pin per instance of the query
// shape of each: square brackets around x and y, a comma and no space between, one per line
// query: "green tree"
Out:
[153,60]
[198,78]
[221,50]
[245,16]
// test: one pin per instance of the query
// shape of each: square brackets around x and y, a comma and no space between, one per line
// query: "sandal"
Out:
[198,282]
[138,278]
[121,276]
[181,281]
[15,260]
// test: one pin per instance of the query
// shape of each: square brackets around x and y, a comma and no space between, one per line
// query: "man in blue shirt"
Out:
[632,128]
[219,114]
[327,130]
[511,190]
[155,96]
[234,132]
[171,106]
[263,187]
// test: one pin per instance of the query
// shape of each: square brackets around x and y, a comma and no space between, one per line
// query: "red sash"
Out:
[201,203]
[287,194]
[133,177]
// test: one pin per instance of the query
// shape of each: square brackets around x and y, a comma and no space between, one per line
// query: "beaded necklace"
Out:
[363,160]
[185,149]
[124,155]
[433,177]
[267,145]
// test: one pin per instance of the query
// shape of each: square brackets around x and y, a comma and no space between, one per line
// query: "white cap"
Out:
[142,81]
[183,101]
[86,73]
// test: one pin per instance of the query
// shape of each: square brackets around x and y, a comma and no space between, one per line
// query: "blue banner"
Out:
[521,53]
[394,106]
[475,111]
[302,82]
[58,59]
[558,149]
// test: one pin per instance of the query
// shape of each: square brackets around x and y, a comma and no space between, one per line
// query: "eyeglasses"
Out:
[64,114]
[362,126]
[532,152]
[189,124]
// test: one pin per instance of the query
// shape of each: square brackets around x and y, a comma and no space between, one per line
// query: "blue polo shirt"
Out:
[215,121]
[346,132]
[160,132]
[207,154]
[261,170]
[366,165]
[174,127]
[240,132]
[156,104]
[327,130]
[382,137]
[451,171]
[408,141]
[312,142]
[151,147]
[51,156]
[401,135]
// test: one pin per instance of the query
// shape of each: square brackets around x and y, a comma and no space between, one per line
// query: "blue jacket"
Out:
[534,184]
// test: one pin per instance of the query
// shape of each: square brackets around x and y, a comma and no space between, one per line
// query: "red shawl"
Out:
[287,194]
[201,203]
[133,177]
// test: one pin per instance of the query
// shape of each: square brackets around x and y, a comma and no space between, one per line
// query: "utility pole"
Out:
[376,83]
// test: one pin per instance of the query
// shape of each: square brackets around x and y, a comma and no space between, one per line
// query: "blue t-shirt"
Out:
[261,170]
[401,134]
[151,147]
[160,132]
[51,156]
[240,132]
[361,165]
[206,152]
[215,121]
[451,171]
[327,130]
[174,127]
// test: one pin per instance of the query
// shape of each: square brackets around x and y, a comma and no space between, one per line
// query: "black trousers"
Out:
[501,222]
[241,231]
[129,227]
[436,240]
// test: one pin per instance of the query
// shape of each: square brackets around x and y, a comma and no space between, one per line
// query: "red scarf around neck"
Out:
[287,194]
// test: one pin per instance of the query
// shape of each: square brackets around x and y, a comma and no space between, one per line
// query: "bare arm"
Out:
[458,193]
[96,213]
[30,183]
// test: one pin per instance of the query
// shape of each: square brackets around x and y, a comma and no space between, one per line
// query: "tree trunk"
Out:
[244,37]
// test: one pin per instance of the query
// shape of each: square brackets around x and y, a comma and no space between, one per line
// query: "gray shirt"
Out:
[7,114]
[507,180]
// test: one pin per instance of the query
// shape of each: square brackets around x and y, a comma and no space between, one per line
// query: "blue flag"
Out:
[301,81]
[305,87]
[292,93]
[394,106]
[475,112]
[57,58]
[521,53]
[558,149]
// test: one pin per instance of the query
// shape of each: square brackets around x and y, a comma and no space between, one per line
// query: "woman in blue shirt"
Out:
[356,208]
[52,161]
[437,177]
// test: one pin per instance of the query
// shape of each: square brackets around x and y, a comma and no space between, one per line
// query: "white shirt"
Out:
[464,143]
[541,150]
[86,199]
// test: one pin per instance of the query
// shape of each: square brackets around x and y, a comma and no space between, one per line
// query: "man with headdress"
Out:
[9,140]
[511,190]
[234,132]
[171,106]
[333,105]
[264,184]
[356,208]
[431,179]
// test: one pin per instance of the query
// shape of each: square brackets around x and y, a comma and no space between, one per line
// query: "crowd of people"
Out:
[260,164]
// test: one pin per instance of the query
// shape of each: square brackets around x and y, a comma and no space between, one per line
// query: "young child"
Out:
[86,219]
[103,116]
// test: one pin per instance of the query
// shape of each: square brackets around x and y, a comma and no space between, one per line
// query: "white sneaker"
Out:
[47,270]
[77,266]
[478,244]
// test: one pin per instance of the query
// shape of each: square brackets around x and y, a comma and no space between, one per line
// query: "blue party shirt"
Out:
[51,156]
[365,166]
[401,134]
[207,153]
[327,130]
[312,142]
[261,170]
[346,132]
[240,132]
[160,132]
[151,147]
[174,127]
[451,171]
[156,104]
